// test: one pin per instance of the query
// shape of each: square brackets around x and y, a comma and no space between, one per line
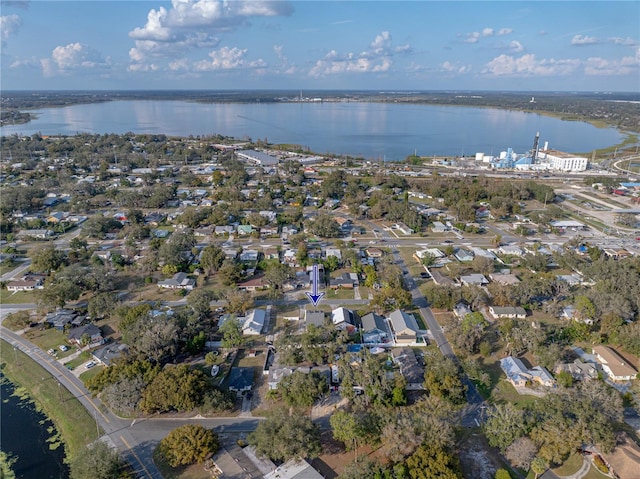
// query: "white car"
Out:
[90,364]
[63,348]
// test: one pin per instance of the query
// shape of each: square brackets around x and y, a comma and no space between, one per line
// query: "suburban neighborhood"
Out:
[375,320]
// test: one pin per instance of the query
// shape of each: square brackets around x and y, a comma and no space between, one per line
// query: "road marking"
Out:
[136,456]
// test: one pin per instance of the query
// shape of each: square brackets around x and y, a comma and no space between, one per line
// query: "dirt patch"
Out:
[478,459]
[334,458]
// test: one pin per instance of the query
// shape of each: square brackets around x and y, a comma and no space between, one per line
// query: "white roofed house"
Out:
[343,318]
[404,327]
[613,364]
[253,322]
[178,281]
[507,312]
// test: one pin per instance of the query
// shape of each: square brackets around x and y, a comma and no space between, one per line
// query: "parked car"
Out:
[90,364]
[63,348]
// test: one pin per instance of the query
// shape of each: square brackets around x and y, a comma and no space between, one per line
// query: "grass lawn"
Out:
[46,339]
[505,392]
[18,320]
[75,425]
[339,294]
[570,466]
[18,297]
[89,373]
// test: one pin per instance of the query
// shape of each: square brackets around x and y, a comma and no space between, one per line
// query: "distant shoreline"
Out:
[565,106]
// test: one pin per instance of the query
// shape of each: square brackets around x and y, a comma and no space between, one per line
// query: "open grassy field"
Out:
[18,297]
[76,427]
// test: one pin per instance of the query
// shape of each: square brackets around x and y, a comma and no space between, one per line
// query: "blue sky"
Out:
[368,45]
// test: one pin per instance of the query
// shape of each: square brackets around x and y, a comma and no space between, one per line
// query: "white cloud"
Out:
[228,59]
[283,65]
[515,46]
[449,67]
[630,42]
[583,40]
[9,24]
[189,24]
[595,66]
[474,37]
[376,59]
[71,58]
[529,65]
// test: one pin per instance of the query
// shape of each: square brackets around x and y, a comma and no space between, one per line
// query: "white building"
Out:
[557,160]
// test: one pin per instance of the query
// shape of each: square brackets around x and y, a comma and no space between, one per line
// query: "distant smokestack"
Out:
[546,145]
[534,152]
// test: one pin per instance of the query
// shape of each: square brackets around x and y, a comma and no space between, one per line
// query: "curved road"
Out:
[135,439]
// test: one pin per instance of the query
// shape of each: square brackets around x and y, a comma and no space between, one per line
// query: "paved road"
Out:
[473,413]
[18,271]
[135,439]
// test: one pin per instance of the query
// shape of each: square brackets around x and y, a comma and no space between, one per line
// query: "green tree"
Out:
[346,428]
[505,424]
[46,258]
[324,226]
[231,333]
[430,462]
[188,444]
[283,436]
[502,474]
[175,388]
[538,466]
[96,461]
[212,258]
[303,390]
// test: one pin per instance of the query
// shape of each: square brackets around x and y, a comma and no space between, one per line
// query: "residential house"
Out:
[178,281]
[507,312]
[108,353]
[404,229]
[570,312]
[463,255]
[253,322]
[317,318]
[224,230]
[461,310]
[482,252]
[249,256]
[244,230]
[91,331]
[438,227]
[294,469]
[613,364]
[374,329]
[406,359]
[474,280]
[516,372]
[240,380]
[542,376]
[404,327]
[511,250]
[25,284]
[346,280]
[507,279]
[374,252]
[271,252]
[580,371]
[440,279]
[36,234]
[256,283]
[343,318]
[333,252]
[269,231]
[60,318]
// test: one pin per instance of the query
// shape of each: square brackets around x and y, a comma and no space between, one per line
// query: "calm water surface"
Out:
[370,130]
[24,434]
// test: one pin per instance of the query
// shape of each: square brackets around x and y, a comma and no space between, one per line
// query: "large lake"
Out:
[371,130]
[25,433]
